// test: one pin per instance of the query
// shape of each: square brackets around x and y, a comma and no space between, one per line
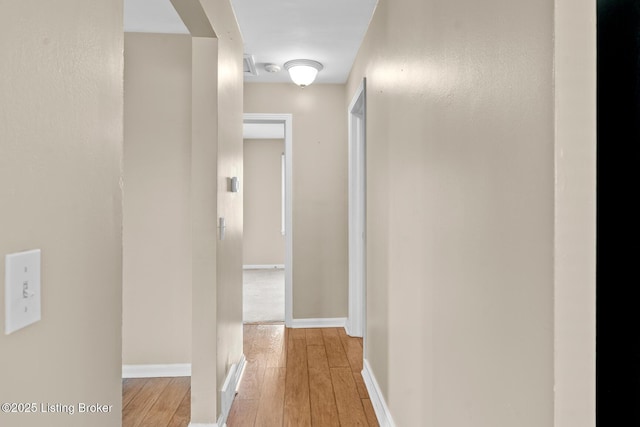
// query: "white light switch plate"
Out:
[21,290]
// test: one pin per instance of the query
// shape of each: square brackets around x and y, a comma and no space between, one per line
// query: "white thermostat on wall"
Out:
[234,185]
[21,290]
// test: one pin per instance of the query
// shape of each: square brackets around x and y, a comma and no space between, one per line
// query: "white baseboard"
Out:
[152,371]
[262,266]
[228,393]
[375,394]
[229,389]
[325,322]
[350,332]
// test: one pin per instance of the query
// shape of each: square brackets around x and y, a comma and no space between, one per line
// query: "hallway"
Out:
[301,377]
[293,377]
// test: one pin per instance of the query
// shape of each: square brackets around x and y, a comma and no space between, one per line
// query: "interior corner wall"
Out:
[263,242]
[157,224]
[320,191]
[60,191]
[460,210]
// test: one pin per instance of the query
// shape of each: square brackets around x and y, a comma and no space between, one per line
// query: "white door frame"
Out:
[287,120]
[357,213]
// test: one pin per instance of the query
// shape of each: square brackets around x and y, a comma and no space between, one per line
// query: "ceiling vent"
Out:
[249,66]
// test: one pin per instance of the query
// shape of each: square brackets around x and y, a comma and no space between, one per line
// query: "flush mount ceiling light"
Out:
[303,71]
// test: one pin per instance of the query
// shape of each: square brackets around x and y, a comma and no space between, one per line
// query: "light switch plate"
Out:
[21,290]
[222,225]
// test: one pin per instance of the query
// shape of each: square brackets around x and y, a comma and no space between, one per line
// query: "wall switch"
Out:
[222,226]
[21,290]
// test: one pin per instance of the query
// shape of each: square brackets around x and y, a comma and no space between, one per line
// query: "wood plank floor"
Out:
[293,377]
[301,377]
[156,402]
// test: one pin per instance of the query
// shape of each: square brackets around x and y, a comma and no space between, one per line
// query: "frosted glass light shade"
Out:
[303,71]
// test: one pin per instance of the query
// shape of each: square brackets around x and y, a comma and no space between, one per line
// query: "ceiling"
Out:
[276,31]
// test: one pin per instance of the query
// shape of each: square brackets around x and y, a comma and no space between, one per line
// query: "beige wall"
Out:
[60,171]
[204,211]
[575,201]
[263,242]
[230,205]
[320,247]
[156,324]
[216,155]
[460,235]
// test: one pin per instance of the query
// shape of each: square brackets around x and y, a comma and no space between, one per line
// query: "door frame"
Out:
[356,320]
[287,121]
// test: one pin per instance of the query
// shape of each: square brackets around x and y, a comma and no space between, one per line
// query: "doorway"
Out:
[357,213]
[263,236]
[270,136]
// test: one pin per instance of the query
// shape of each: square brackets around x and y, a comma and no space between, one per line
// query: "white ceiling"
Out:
[276,31]
[152,16]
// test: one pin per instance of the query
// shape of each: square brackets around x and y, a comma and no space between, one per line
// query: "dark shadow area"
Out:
[618,295]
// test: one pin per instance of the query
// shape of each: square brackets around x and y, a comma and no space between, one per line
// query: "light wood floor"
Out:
[293,377]
[156,402]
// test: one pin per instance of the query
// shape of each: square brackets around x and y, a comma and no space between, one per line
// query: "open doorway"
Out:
[263,240]
[357,214]
[267,239]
